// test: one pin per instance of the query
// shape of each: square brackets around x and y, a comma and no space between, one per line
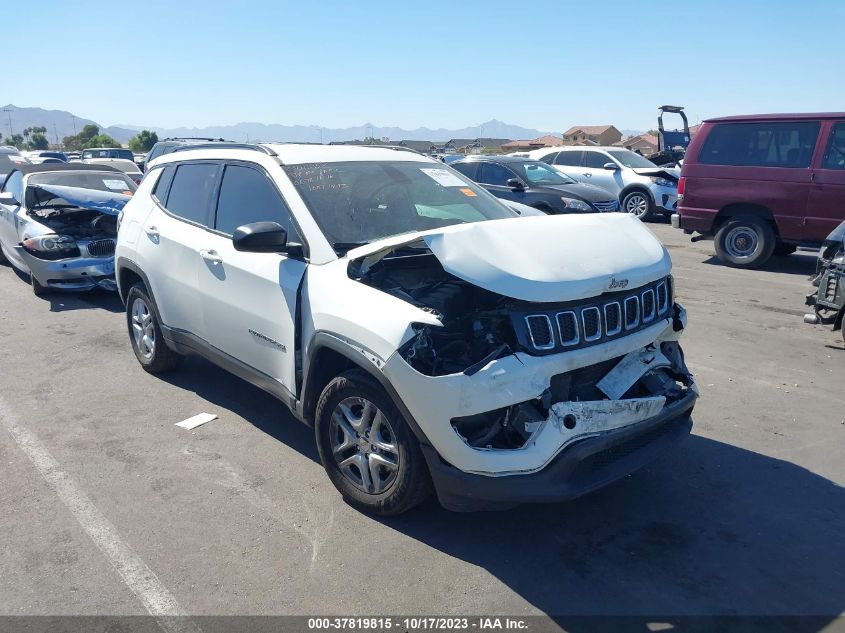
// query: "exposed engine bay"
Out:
[476,323]
[80,224]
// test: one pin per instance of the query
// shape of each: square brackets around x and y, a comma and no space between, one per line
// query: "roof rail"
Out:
[227,145]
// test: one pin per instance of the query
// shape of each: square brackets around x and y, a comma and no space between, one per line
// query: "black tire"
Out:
[161,358]
[542,206]
[639,204]
[411,483]
[37,289]
[782,250]
[745,241]
[3,259]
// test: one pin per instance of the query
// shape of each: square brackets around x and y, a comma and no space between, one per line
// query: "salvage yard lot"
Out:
[238,517]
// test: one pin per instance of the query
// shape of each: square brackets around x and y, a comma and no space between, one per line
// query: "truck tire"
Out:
[145,335]
[368,450]
[745,241]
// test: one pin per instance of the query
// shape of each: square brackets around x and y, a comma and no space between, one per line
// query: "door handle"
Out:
[211,256]
[152,231]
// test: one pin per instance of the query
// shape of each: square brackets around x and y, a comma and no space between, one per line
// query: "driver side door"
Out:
[249,300]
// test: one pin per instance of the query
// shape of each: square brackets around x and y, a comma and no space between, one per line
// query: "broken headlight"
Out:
[663,182]
[51,247]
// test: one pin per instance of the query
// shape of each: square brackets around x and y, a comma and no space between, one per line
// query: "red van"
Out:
[764,184]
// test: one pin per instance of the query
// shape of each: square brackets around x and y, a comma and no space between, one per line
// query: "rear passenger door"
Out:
[826,207]
[249,300]
[571,164]
[172,237]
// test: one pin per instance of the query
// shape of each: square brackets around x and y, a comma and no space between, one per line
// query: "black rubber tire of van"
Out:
[412,483]
[782,250]
[37,289]
[765,241]
[163,358]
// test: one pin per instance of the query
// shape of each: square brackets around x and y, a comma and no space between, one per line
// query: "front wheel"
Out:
[37,289]
[745,241]
[145,333]
[367,448]
[639,204]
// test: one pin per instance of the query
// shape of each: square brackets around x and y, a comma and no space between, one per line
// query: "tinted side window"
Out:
[549,158]
[163,185]
[572,159]
[596,160]
[493,174]
[788,144]
[467,169]
[247,195]
[191,190]
[834,153]
[14,185]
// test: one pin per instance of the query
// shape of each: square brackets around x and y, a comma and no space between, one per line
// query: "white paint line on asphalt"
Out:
[140,579]
[197,420]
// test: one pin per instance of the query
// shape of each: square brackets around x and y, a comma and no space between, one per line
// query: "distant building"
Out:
[642,143]
[424,147]
[549,140]
[474,146]
[592,135]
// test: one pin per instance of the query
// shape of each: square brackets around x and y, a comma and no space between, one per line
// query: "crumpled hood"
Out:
[541,259]
[661,172]
[108,202]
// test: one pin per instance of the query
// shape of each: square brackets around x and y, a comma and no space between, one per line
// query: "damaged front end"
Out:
[69,241]
[828,299]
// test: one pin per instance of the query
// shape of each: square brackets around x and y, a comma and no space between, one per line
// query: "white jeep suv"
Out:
[432,337]
[644,189]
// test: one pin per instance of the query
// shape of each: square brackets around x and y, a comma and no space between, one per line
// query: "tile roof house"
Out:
[592,135]
[549,140]
[425,147]
[642,143]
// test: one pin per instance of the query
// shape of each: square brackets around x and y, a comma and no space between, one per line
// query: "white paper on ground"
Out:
[195,421]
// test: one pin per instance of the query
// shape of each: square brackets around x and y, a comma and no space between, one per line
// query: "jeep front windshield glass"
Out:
[358,202]
[630,159]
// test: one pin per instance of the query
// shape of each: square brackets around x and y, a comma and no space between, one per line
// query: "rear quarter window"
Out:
[768,144]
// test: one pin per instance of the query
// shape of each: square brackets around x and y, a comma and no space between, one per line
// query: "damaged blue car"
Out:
[58,224]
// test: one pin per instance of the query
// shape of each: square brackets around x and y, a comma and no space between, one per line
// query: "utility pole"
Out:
[74,124]
[9,112]
[55,133]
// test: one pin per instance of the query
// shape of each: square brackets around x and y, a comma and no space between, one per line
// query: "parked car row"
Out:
[436,339]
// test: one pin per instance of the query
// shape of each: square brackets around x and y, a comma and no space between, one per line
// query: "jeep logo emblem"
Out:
[617,283]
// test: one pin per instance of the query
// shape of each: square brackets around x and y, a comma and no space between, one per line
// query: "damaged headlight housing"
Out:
[663,182]
[575,204]
[51,247]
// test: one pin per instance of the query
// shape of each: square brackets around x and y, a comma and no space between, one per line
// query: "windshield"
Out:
[537,173]
[115,182]
[357,202]
[107,153]
[630,159]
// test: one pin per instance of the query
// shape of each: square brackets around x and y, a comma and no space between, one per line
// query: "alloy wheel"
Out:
[364,445]
[143,328]
[637,205]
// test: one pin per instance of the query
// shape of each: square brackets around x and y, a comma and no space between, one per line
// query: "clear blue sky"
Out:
[544,64]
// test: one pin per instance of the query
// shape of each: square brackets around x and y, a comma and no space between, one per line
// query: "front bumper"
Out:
[665,199]
[74,274]
[585,466]
[434,401]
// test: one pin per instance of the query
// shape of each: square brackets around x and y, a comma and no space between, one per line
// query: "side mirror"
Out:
[515,183]
[260,237]
[8,199]
[611,166]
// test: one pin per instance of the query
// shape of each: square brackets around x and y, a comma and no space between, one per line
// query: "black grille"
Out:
[540,331]
[648,306]
[607,205]
[612,318]
[567,326]
[101,248]
[544,328]
[592,323]
[662,297]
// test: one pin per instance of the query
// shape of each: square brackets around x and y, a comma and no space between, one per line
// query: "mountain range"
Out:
[60,123]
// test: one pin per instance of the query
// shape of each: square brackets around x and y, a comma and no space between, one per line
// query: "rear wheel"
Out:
[745,241]
[145,333]
[367,448]
[638,203]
